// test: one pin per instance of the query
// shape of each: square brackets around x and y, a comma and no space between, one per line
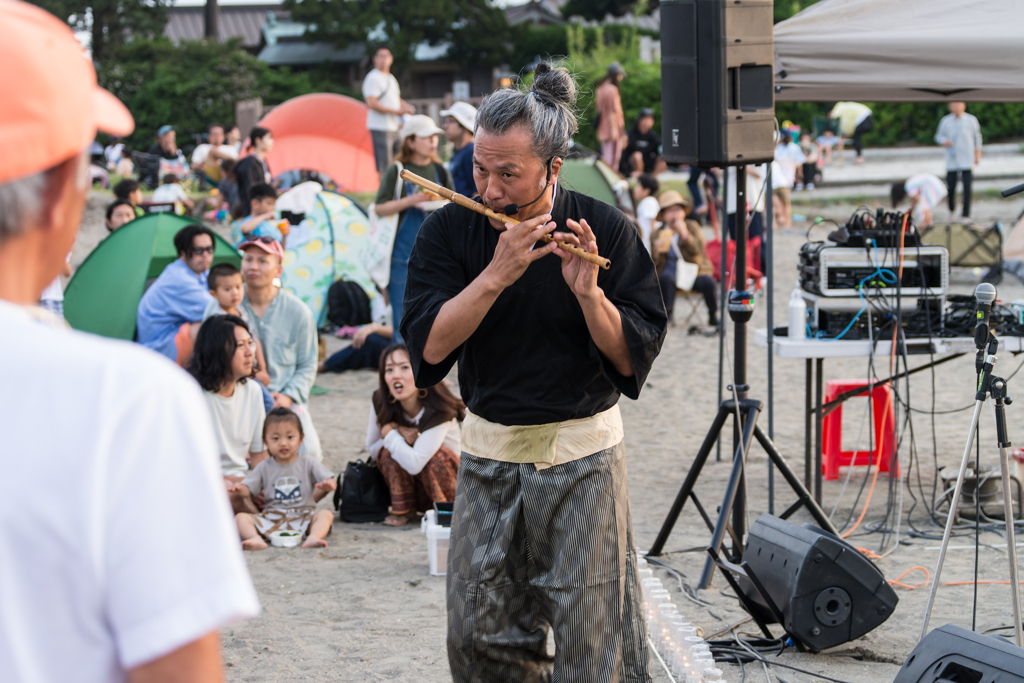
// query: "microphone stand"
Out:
[989,384]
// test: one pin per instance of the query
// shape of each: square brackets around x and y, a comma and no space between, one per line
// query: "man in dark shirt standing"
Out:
[458,128]
[643,151]
[546,343]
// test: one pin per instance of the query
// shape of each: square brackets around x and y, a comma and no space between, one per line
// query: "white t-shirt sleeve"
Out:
[374,84]
[200,154]
[374,442]
[414,458]
[161,595]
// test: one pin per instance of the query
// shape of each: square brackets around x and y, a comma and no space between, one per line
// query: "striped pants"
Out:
[533,550]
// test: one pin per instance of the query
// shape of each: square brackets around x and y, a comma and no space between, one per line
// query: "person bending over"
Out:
[291,483]
[680,238]
[925,191]
[414,434]
[223,365]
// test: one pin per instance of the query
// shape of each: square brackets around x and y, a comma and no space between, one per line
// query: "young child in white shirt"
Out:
[227,288]
[171,191]
[291,484]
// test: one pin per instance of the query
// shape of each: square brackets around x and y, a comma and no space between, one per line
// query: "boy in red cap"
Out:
[91,593]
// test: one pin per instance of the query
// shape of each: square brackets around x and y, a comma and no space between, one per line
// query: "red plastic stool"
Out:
[832,454]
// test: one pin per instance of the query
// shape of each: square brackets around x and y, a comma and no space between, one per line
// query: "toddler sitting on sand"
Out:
[292,484]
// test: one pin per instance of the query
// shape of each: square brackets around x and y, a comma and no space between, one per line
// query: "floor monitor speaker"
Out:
[717,82]
[827,592]
[951,654]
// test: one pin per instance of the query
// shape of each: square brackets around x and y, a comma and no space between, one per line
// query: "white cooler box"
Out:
[437,543]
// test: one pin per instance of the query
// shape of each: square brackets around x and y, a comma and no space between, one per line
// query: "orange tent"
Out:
[326,133]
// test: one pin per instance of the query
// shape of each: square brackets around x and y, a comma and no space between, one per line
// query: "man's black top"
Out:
[250,171]
[532,359]
[648,144]
[158,151]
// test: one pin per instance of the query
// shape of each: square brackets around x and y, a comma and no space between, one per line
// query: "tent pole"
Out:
[769,242]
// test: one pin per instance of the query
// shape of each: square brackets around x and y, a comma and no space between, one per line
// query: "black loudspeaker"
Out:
[717,82]
[951,654]
[826,590]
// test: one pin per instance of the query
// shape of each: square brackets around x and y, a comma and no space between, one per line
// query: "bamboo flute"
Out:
[465,201]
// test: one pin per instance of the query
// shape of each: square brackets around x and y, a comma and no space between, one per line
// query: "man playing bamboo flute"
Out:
[546,342]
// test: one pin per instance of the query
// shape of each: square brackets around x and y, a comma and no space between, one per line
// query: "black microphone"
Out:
[986,295]
[1013,190]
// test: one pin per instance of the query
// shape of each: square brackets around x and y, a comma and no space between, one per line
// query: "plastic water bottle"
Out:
[797,315]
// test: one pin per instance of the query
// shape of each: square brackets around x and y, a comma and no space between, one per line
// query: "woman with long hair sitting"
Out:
[414,434]
[222,363]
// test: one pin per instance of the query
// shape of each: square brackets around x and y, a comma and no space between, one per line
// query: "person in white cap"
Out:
[101,582]
[418,153]
[459,123]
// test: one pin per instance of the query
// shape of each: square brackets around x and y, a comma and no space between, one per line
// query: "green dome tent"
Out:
[596,179]
[104,293]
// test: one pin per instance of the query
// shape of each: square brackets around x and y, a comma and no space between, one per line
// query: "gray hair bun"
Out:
[547,110]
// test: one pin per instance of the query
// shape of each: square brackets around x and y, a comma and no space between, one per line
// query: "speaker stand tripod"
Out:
[745,412]
[996,387]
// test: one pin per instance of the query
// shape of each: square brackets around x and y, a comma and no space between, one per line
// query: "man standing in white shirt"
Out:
[384,99]
[99,585]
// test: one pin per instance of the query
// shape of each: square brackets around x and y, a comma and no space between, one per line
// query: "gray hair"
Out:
[547,109]
[21,202]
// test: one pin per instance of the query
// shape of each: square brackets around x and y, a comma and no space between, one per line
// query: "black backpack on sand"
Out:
[362,494]
[348,304]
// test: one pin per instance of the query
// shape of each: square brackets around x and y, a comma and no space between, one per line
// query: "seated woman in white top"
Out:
[222,363]
[415,437]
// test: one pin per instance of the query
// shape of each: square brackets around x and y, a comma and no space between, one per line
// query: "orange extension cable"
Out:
[892,364]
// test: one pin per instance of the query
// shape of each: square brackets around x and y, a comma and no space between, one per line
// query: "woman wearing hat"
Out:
[419,155]
[681,238]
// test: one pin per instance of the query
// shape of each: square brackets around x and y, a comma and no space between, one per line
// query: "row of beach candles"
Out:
[686,653]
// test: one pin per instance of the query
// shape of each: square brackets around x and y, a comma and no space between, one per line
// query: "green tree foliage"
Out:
[110,22]
[474,28]
[590,52]
[196,83]
[599,9]
[784,9]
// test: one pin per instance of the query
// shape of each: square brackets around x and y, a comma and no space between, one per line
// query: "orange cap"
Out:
[51,106]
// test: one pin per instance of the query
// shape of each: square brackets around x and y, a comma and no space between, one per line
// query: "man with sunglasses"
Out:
[172,308]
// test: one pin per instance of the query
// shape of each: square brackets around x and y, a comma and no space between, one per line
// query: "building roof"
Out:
[236,21]
[535,12]
[301,53]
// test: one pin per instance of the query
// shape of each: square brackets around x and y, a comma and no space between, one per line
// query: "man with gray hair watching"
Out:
[546,343]
[93,591]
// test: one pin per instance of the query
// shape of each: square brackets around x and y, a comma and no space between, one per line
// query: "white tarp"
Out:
[902,51]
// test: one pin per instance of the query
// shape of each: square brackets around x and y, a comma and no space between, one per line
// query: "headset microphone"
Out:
[986,295]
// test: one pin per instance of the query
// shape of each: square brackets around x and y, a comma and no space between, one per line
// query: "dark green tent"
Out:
[591,177]
[103,296]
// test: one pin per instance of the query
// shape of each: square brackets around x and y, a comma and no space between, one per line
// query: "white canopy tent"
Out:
[902,51]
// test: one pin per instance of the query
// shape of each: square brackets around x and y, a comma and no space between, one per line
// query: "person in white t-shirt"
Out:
[647,208]
[222,363]
[206,157]
[172,191]
[93,588]
[385,105]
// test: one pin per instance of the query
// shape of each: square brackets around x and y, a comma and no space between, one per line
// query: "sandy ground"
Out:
[365,608]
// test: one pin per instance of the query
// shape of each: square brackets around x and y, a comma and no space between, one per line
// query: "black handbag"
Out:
[362,494]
